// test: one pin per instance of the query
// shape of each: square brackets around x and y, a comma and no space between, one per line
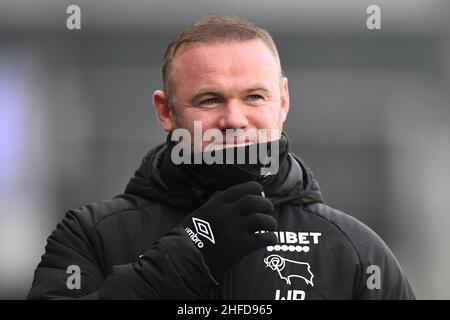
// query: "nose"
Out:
[233,116]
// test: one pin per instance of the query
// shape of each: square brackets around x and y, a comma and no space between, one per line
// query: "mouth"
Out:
[237,144]
[233,144]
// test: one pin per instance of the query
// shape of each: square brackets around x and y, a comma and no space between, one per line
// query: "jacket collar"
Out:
[297,185]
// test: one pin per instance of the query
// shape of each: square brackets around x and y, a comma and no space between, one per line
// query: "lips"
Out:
[234,144]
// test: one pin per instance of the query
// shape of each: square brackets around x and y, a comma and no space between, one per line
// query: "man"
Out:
[196,222]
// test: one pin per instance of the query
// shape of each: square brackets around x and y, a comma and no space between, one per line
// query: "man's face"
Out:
[231,85]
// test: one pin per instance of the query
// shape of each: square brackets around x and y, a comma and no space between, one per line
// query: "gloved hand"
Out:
[224,227]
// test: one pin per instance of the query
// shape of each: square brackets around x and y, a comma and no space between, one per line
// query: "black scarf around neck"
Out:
[215,177]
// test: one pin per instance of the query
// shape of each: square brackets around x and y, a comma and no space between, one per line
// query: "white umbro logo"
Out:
[203,228]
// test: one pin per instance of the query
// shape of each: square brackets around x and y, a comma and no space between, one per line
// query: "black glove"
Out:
[224,228]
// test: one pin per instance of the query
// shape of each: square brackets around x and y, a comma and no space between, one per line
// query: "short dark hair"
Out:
[213,29]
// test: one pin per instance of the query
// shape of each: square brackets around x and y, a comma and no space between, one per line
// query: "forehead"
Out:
[239,61]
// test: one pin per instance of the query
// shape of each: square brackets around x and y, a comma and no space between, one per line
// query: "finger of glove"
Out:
[261,240]
[240,190]
[251,204]
[259,221]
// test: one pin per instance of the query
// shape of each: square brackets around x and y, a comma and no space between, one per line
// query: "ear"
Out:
[162,111]
[284,99]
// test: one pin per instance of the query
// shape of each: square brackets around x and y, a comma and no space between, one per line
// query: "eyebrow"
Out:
[257,88]
[204,92]
[213,92]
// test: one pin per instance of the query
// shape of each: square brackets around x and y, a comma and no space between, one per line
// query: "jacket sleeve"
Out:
[380,276]
[376,273]
[172,269]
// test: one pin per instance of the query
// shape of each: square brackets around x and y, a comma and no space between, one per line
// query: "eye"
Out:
[209,101]
[255,97]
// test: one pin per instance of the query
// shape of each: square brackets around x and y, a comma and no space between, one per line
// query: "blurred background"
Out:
[370,114]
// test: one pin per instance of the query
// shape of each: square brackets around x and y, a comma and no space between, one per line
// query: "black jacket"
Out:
[133,246]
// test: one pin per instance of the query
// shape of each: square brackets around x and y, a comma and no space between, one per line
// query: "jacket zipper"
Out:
[262,180]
